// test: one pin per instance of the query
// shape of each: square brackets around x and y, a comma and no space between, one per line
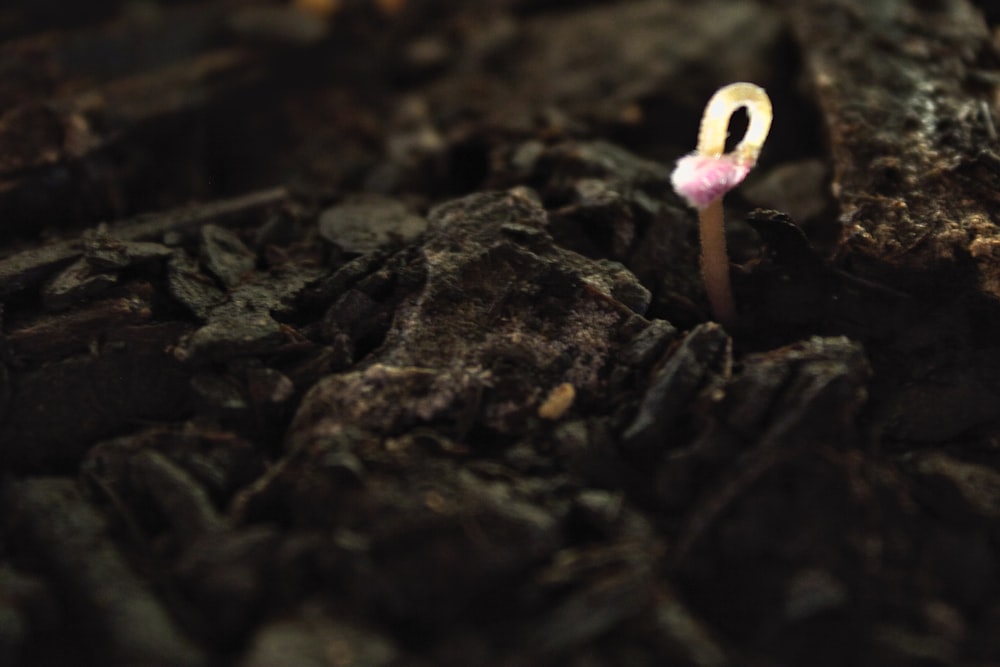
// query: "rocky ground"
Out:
[370,333]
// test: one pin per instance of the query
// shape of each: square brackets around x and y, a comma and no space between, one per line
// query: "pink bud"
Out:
[701,179]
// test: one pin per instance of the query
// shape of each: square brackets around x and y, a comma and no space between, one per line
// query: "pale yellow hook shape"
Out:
[715,120]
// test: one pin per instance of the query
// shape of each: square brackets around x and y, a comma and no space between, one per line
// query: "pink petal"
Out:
[701,179]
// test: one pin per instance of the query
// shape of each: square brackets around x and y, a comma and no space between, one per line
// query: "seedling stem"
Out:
[703,177]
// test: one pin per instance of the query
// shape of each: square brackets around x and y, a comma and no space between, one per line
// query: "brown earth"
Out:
[371,333]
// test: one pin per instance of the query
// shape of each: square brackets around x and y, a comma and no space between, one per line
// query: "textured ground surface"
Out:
[369,333]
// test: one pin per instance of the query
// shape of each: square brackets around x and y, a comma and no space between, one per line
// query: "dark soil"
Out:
[370,333]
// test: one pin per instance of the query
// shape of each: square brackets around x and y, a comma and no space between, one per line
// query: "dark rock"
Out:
[699,366]
[799,189]
[225,255]
[77,282]
[808,392]
[364,225]
[104,252]
[490,305]
[192,288]
[130,625]
[225,574]
[26,269]
[213,459]
[243,324]
[76,331]
[312,638]
[177,495]
[958,487]
[280,23]
[905,172]
[433,425]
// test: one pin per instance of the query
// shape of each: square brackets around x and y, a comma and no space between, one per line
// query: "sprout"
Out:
[703,177]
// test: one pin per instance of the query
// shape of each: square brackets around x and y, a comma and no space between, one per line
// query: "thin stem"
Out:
[703,177]
[715,263]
